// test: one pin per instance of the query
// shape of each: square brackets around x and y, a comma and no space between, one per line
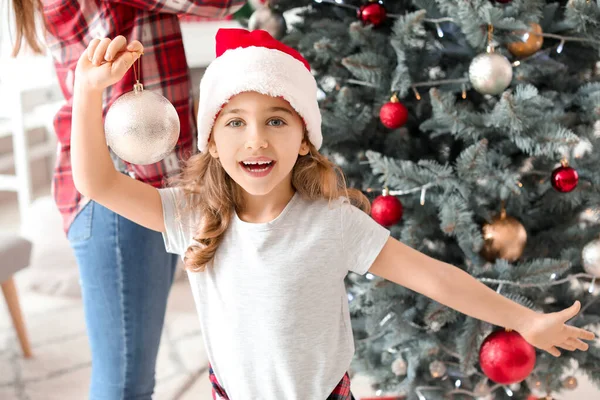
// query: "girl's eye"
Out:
[236,123]
[276,122]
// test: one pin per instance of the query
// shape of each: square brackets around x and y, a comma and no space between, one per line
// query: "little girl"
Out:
[267,228]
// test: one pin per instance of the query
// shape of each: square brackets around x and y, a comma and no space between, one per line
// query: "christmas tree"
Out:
[474,125]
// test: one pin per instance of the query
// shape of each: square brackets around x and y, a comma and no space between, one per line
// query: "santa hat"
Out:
[255,61]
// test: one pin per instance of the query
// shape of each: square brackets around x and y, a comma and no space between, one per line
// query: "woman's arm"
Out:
[202,8]
[457,289]
[94,174]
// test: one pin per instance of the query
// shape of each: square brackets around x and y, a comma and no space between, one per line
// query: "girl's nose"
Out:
[256,138]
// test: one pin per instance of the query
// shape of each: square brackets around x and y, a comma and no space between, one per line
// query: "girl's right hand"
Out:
[106,61]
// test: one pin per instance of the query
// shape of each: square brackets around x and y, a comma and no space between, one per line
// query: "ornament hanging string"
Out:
[137,72]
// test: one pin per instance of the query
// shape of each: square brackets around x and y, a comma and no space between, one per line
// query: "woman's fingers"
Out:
[136,46]
[101,51]
[566,346]
[91,49]
[554,351]
[115,46]
[578,344]
[579,333]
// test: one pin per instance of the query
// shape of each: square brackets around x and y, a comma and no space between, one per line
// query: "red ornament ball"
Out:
[393,114]
[506,358]
[564,179]
[386,210]
[372,13]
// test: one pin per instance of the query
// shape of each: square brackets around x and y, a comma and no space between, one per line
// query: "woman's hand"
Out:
[549,332]
[106,61]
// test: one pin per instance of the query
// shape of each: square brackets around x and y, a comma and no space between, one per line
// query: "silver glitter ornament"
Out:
[142,127]
[268,20]
[399,366]
[490,73]
[437,369]
[591,258]
[570,382]
[256,4]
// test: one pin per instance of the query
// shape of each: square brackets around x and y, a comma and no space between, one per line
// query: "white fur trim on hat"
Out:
[258,69]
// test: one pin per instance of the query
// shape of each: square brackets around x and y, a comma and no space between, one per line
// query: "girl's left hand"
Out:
[549,331]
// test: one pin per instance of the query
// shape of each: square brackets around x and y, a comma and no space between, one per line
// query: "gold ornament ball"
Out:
[570,382]
[490,73]
[531,45]
[504,237]
[591,258]
[481,389]
[142,127]
[437,369]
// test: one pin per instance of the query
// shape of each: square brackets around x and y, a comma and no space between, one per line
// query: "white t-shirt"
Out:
[272,305]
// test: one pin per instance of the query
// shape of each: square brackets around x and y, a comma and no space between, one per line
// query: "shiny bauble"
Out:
[564,179]
[570,382]
[142,127]
[268,20]
[490,73]
[399,366]
[506,358]
[393,114]
[373,13]
[437,369]
[591,258]
[504,237]
[256,4]
[532,43]
[386,210]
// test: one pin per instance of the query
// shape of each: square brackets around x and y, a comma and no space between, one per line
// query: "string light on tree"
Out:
[142,126]
[372,13]
[393,114]
[505,357]
[564,178]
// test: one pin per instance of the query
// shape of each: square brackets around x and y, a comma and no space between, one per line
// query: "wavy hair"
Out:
[26,12]
[209,191]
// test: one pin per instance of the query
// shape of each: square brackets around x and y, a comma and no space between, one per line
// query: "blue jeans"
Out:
[126,275]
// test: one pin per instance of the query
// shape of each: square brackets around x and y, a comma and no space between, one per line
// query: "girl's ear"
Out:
[304,149]
[212,148]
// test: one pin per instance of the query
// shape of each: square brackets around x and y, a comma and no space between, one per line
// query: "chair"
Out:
[15,252]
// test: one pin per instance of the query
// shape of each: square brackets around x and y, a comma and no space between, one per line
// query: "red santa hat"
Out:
[255,61]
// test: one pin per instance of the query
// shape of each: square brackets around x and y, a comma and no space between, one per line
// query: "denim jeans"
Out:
[126,275]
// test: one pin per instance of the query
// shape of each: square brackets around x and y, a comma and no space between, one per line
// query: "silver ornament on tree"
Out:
[490,73]
[437,369]
[142,127]
[591,260]
[399,366]
[256,4]
[268,20]
[570,382]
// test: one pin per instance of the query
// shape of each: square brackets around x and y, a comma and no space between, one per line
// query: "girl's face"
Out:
[258,139]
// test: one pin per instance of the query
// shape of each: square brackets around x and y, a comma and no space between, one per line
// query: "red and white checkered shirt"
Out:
[72,24]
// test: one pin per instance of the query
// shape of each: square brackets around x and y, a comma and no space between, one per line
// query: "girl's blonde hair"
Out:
[26,12]
[211,193]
